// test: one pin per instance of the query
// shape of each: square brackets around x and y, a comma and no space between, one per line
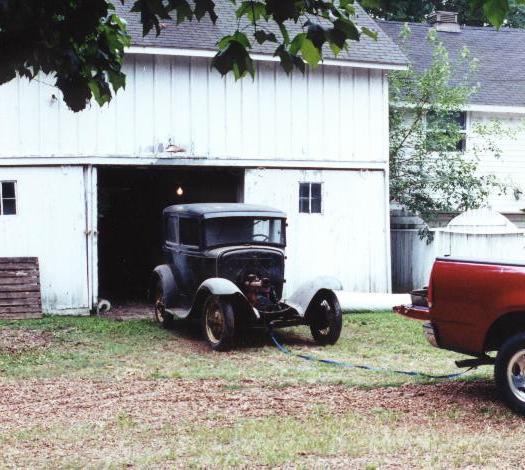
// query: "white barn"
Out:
[84,192]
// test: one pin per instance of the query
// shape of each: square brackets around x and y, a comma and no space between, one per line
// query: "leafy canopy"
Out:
[82,41]
[430,171]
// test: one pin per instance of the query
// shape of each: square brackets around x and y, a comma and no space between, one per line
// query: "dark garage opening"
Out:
[130,204]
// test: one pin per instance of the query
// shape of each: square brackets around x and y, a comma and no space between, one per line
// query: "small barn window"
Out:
[310,198]
[7,197]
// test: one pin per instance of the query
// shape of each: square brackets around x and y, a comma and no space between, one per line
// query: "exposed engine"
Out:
[260,292]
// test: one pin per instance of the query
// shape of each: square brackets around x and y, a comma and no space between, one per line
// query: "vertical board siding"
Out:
[346,241]
[331,114]
[50,224]
[509,167]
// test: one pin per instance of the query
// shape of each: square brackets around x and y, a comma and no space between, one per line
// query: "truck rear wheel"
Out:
[509,372]
[325,318]
[218,323]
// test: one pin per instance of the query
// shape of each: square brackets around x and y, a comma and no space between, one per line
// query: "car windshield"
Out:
[244,230]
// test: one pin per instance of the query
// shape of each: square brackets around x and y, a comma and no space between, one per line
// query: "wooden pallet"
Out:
[20,288]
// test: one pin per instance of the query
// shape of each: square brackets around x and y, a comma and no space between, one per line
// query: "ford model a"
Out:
[225,267]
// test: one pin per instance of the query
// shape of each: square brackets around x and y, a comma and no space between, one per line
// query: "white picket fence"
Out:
[479,234]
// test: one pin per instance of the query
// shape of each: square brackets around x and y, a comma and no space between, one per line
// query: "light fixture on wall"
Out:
[172,148]
[180,191]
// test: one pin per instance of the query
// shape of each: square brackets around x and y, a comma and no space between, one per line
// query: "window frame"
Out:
[15,198]
[461,145]
[169,219]
[310,198]
[199,229]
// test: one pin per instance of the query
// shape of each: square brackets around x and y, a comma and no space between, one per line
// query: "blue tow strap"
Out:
[349,365]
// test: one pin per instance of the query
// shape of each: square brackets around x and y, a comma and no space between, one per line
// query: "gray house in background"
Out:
[501,96]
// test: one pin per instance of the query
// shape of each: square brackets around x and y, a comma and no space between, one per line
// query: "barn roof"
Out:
[204,35]
[501,72]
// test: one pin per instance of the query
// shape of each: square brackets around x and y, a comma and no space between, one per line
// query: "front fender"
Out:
[225,288]
[169,286]
[301,298]
[220,286]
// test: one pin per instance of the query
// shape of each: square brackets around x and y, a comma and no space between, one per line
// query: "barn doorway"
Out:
[130,204]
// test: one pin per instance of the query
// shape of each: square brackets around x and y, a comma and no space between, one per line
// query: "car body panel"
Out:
[303,295]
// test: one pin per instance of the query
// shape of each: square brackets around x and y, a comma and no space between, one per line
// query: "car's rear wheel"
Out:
[218,323]
[509,372]
[325,318]
[162,317]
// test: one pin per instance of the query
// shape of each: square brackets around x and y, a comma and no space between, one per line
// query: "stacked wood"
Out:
[20,288]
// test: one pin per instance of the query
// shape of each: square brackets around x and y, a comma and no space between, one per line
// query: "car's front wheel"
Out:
[162,317]
[218,323]
[325,318]
[509,372]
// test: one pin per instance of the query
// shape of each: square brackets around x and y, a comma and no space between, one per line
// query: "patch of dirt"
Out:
[158,402]
[129,311]
[13,341]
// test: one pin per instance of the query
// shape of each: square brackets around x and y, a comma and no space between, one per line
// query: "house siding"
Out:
[509,167]
[330,114]
[330,125]
[51,224]
[348,240]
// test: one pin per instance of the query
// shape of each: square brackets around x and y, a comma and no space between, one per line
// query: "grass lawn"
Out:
[78,392]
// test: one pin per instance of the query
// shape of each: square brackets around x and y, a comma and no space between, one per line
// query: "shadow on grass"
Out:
[247,338]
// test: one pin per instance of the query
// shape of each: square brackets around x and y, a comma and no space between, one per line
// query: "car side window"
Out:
[171,229]
[189,234]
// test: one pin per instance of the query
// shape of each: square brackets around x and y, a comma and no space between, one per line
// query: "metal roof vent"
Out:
[444,21]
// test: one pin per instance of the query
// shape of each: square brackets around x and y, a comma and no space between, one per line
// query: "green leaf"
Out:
[369,32]
[496,11]
[348,28]
[286,58]
[334,48]
[316,33]
[310,52]
[297,43]
[254,11]
[262,36]
[284,32]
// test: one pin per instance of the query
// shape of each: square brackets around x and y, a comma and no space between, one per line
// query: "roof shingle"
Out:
[204,35]
[501,55]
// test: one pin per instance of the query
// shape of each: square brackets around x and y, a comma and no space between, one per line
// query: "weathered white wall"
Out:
[50,224]
[510,166]
[330,114]
[349,240]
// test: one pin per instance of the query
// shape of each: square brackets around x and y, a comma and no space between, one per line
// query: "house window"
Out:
[440,126]
[7,197]
[310,198]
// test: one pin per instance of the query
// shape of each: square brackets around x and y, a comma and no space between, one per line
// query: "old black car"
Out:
[225,268]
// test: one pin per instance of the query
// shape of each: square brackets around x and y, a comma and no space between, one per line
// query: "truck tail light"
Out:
[429,294]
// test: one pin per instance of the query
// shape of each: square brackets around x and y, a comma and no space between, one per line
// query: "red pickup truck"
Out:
[475,307]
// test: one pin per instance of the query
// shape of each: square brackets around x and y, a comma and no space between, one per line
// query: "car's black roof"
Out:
[214,210]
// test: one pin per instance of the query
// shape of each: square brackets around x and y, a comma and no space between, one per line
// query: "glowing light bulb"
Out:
[180,191]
